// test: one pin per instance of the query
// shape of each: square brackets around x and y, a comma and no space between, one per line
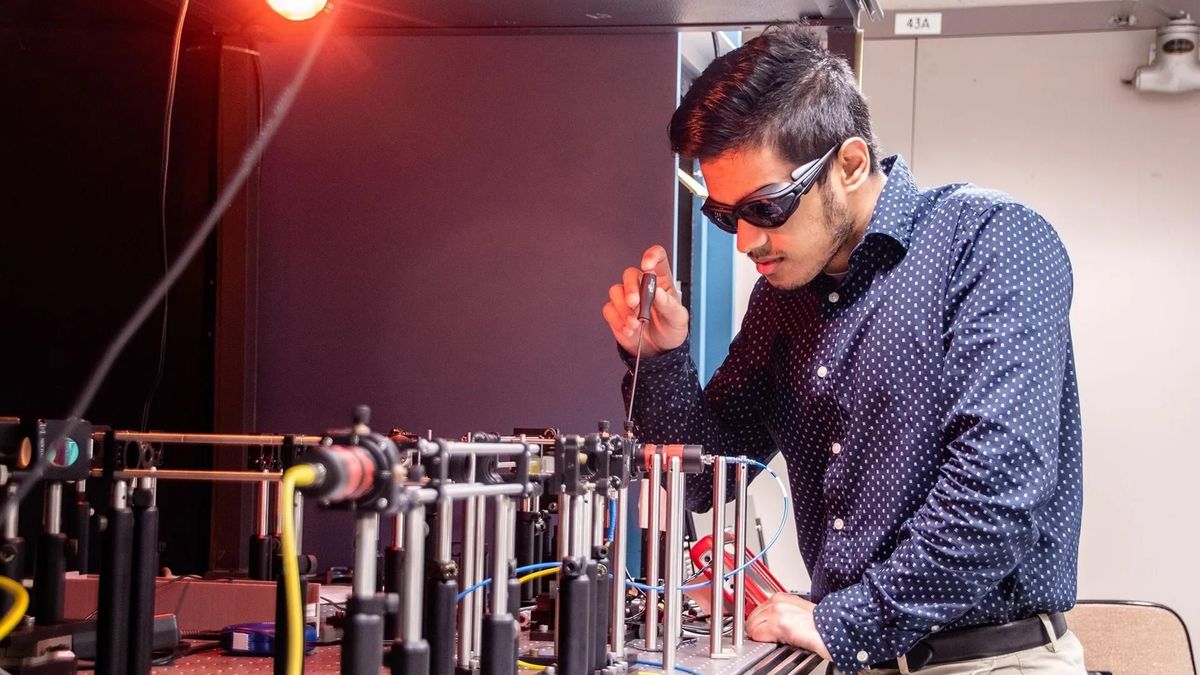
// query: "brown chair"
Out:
[1125,637]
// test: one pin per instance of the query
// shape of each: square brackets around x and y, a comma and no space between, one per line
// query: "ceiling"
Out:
[439,16]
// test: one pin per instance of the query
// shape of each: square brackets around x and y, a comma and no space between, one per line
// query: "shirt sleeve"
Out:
[1007,342]
[727,416]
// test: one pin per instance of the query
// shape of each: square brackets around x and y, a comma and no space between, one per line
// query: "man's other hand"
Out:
[787,619]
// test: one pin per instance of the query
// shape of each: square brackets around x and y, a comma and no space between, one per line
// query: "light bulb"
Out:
[298,10]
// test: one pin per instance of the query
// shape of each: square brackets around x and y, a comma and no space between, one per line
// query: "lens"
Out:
[769,213]
[721,219]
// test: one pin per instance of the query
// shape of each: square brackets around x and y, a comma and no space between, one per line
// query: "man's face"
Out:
[793,254]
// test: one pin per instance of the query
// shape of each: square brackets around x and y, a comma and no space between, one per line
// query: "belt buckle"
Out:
[919,656]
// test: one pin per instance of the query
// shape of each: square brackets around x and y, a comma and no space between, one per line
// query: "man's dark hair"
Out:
[781,90]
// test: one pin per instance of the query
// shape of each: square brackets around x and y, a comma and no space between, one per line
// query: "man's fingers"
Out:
[631,279]
[655,260]
[624,319]
[615,320]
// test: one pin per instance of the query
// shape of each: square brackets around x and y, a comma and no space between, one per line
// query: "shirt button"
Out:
[837,447]
[822,371]
[935,628]
[838,523]
[834,297]
[862,657]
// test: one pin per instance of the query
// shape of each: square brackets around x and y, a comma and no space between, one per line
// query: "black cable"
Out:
[162,205]
[193,246]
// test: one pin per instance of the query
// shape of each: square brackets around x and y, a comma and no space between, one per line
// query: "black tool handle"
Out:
[112,630]
[362,643]
[646,293]
[142,588]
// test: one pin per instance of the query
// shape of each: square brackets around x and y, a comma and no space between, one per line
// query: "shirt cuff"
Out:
[851,628]
[666,361]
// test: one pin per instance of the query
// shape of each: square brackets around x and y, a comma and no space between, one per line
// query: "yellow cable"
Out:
[20,604]
[299,475]
[537,575]
[530,577]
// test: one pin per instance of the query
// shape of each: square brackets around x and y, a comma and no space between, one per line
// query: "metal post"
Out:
[620,546]
[716,640]
[366,540]
[362,648]
[739,555]
[498,653]
[579,529]
[260,546]
[410,656]
[467,578]
[651,571]
[672,605]
[477,606]
[414,558]
[49,579]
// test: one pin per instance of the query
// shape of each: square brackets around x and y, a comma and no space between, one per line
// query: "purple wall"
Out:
[441,220]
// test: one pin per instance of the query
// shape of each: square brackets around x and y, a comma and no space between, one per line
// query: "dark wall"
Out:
[80,237]
[441,220]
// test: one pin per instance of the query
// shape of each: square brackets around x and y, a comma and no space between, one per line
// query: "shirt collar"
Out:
[896,208]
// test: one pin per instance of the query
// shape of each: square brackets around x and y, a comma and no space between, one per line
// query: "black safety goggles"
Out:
[771,205]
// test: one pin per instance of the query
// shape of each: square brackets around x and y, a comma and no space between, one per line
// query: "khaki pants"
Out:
[1065,657]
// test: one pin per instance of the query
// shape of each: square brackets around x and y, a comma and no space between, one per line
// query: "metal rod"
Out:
[207,439]
[456,448]
[564,526]
[211,476]
[477,606]
[462,491]
[716,640]
[366,541]
[672,605]
[398,531]
[262,506]
[466,579]
[527,440]
[739,555]
[414,568]
[620,550]
[445,524]
[652,521]
[501,553]
[10,516]
[53,521]
[298,520]
[579,522]
[599,513]
[564,545]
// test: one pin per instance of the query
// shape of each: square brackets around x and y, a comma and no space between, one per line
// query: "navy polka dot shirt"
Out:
[928,411]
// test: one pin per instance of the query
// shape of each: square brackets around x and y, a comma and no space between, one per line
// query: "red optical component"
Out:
[690,456]
[354,473]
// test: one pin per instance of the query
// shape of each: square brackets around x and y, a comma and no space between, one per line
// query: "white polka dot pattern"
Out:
[927,409]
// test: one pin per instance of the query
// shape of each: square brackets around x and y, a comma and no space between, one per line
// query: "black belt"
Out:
[979,642]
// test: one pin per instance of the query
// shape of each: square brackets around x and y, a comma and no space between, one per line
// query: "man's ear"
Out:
[854,164]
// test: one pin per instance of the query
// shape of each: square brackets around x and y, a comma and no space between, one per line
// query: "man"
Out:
[909,354]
